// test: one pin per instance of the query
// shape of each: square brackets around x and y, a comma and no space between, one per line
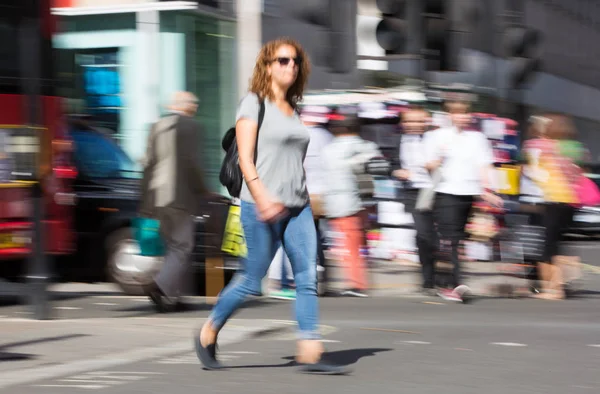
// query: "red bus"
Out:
[49,157]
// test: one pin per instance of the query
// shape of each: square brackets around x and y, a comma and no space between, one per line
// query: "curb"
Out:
[30,375]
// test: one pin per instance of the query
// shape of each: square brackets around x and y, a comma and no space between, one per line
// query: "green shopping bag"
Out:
[146,232]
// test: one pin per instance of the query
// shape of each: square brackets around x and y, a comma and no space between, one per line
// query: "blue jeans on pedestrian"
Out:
[298,236]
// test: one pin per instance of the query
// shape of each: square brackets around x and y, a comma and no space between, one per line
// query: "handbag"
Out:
[587,192]
[317,206]
[426,197]
[234,242]
[146,231]
[231,175]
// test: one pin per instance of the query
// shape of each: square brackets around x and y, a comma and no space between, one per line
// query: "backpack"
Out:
[231,175]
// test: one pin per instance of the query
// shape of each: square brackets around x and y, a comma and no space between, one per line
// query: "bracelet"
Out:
[251,180]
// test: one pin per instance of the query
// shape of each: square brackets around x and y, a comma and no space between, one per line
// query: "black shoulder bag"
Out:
[231,175]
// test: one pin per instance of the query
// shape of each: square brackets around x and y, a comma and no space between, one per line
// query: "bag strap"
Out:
[261,117]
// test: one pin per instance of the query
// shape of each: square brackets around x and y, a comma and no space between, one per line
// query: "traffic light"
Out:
[440,48]
[522,47]
[325,28]
[392,32]
[445,23]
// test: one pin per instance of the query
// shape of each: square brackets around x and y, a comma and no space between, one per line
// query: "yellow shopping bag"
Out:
[509,177]
[234,242]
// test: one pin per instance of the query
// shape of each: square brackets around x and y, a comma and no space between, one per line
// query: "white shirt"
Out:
[466,154]
[313,164]
[412,158]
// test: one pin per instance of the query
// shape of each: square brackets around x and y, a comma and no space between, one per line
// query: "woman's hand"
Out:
[401,174]
[270,210]
[492,199]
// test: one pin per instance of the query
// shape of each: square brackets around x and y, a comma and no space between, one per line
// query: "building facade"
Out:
[122,60]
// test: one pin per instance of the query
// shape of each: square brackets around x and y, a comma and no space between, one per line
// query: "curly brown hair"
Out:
[260,83]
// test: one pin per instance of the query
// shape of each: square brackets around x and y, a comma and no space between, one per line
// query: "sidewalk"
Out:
[402,278]
[61,347]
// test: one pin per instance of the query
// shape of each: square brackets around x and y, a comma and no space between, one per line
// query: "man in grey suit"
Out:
[173,187]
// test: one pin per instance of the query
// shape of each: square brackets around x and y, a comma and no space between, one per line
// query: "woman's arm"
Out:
[245,134]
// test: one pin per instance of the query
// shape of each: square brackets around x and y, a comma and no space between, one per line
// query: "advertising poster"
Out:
[102,87]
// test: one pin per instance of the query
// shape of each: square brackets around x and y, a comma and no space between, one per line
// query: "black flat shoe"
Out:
[324,368]
[158,298]
[207,355]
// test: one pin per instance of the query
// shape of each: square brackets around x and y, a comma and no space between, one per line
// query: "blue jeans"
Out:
[298,236]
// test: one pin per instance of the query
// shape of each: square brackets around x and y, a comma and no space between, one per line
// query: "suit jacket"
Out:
[173,175]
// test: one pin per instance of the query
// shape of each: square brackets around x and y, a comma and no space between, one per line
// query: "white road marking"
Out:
[417,342]
[96,380]
[73,386]
[92,381]
[509,344]
[191,358]
[239,352]
[105,303]
[139,299]
[594,345]
[112,360]
[23,313]
[112,373]
[329,341]
[67,308]
[290,322]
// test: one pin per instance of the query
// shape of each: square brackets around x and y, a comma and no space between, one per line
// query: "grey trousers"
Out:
[178,232]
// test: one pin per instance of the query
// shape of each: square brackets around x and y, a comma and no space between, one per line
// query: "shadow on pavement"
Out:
[349,356]
[41,340]
[9,356]
[342,357]
[184,307]
[20,299]
[5,356]
[583,294]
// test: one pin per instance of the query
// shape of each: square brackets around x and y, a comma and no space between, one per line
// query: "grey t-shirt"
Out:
[282,144]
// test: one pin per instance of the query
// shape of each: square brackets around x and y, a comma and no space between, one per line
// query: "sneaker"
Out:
[283,294]
[354,293]
[465,293]
[429,292]
[450,295]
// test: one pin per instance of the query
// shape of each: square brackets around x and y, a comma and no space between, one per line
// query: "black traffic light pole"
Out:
[529,64]
[30,66]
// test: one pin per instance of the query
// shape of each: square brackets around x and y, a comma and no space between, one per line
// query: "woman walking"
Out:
[552,157]
[275,202]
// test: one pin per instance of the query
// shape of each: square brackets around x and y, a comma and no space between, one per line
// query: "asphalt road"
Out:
[394,345]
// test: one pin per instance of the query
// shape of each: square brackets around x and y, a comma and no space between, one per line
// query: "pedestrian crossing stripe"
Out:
[234,242]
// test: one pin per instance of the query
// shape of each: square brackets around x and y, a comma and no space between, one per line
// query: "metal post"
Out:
[249,40]
[417,42]
[515,16]
[29,55]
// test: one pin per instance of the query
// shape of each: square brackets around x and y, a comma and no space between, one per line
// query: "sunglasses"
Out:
[284,61]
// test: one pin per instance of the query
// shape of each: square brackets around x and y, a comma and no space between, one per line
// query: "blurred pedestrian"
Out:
[172,186]
[461,163]
[344,160]
[314,117]
[281,278]
[275,201]
[408,165]
[553,156]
